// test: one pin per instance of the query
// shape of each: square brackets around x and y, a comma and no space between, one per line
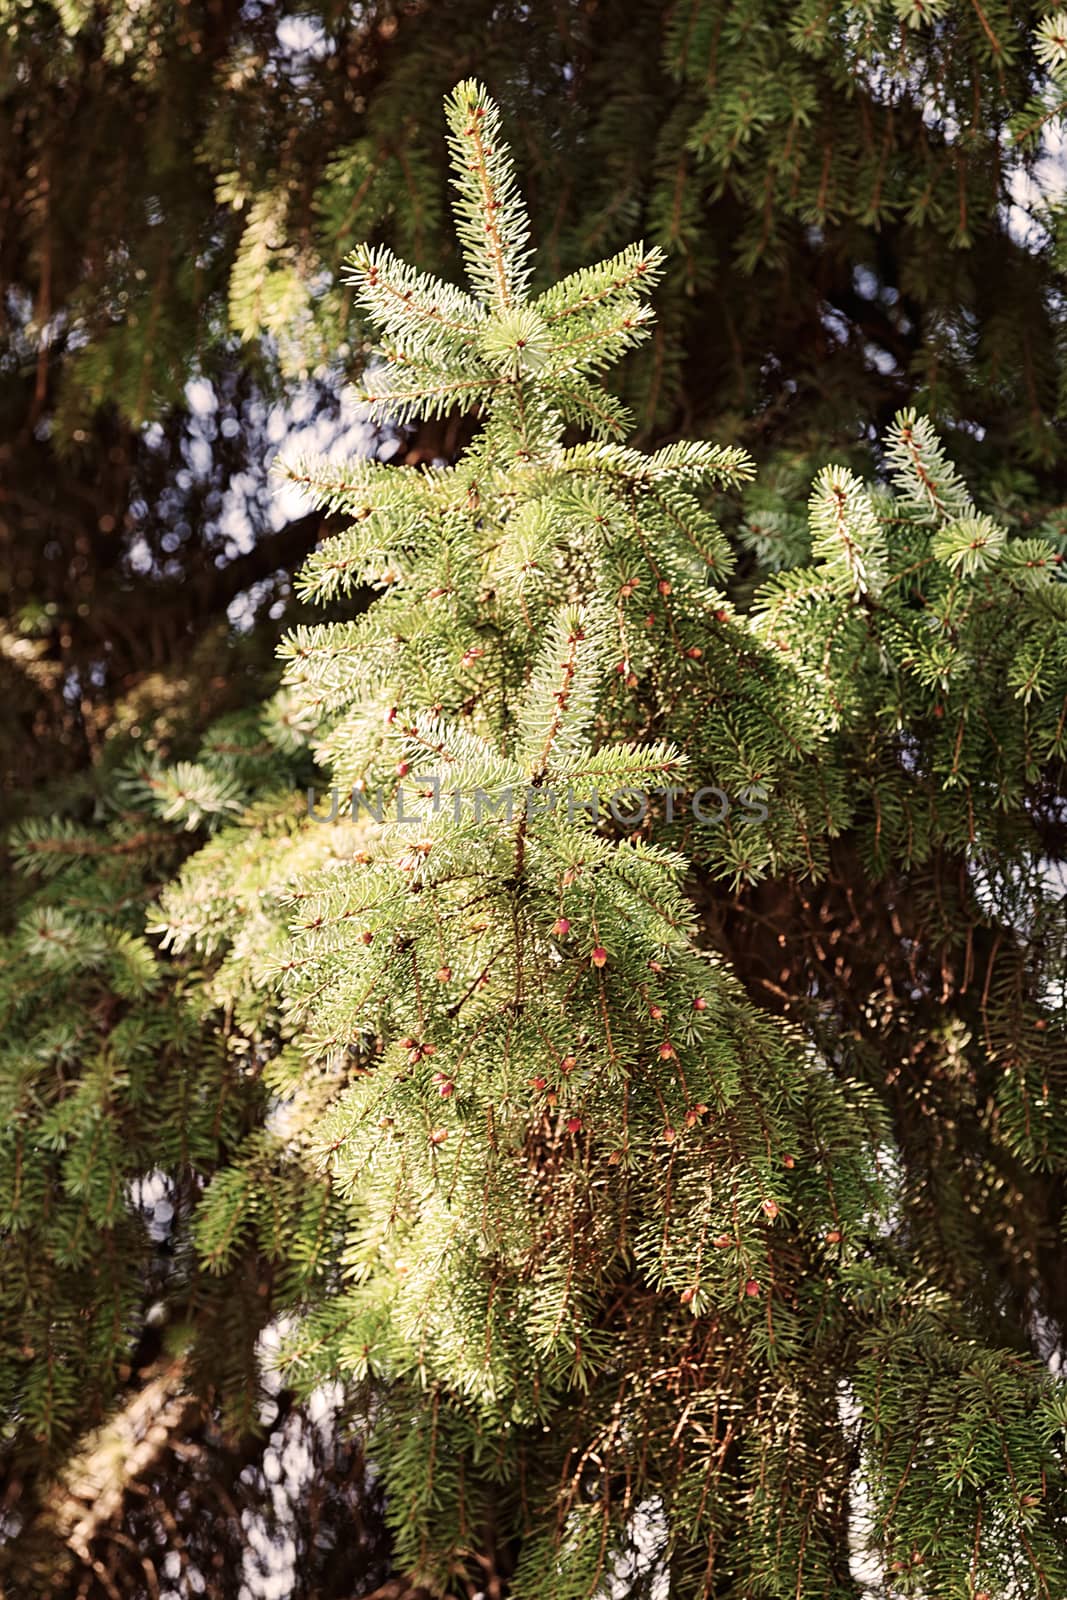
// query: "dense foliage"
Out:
[841,178]
[683,1191]
[858,204]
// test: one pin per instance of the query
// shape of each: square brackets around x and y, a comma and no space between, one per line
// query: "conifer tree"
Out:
[638,1254]
[754,1275]
[855,204]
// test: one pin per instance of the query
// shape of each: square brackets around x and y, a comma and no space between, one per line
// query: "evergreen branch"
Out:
[588,405]
[490,217]
[557,706]
[592,287]
[409,304]
[403,394]
[598,340]
[847,536]
[922,473]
